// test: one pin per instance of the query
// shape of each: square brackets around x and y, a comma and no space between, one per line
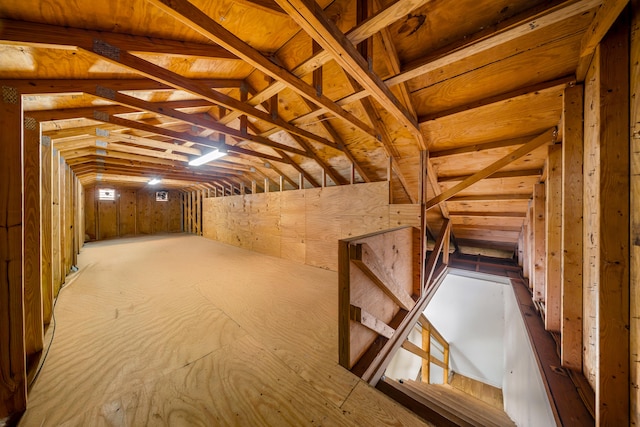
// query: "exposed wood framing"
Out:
[553,241]
[546,138]
[571,267]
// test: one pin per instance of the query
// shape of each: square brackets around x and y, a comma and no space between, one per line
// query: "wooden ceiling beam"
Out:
[604,19]
[314,22]
[488,214]
[166,174]
[343,147]
[547,137]
[184,136]
[120,54]
[193,119]
[521,25]
[556,84]
[111,179]
[49,86]
[194,18]
[115,134]
[490,197]
[204,169]
[380,20]
[520,173]
[43,35]
[480,147]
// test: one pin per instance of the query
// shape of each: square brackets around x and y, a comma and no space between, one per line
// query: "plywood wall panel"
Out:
[145,213]
[304,225]
[127,217]
[107,217]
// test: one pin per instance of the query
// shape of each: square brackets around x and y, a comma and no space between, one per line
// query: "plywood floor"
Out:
[181,330]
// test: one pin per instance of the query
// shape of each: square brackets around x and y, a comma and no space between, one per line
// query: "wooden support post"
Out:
[426,346]
[635,218]
[572,152]
[281,183]
[242,189]
[324,178]
[32,279]
[13,387]
[56,227]
[352,174]
[445,247]
[539,242]
[266,185]
[553,241]
[300,181]
[253,187]
[46,229]
[606,205]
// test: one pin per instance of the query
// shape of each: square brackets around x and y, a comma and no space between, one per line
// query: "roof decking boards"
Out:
[161,74]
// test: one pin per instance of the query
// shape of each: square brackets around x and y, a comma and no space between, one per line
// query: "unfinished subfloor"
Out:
[181,330]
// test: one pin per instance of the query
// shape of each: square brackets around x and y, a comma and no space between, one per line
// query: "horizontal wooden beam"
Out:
[526,23]
[314,22]
[43,35]
[556,84]
[489,214]
[194,18]
[479,147]
[518,173]
[357,314]
[490,197]
[546,138]
[412,348]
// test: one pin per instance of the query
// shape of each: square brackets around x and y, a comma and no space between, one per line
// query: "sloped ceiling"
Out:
[335,92]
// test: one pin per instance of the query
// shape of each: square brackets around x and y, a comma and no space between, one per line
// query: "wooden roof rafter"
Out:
[312,19]
[366,29]
[197,20]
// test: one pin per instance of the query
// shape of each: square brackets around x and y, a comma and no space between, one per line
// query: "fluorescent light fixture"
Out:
[155,181]
[211,156]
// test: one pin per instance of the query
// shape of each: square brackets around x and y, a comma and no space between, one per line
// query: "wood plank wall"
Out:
[40,204]
[133,212]
[304,225]
[589,295]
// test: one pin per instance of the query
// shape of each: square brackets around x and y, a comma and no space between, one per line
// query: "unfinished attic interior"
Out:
[409,212]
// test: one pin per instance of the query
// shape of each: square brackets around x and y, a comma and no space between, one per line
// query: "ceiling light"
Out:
[213,155]
[155,181]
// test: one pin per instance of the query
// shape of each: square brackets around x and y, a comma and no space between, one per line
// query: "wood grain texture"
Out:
[46,234]
[32,279]
[539,239]
[13,388]
[168,343]
[634,94]
[553,241]
[572,234]
[303,225]
[612,391]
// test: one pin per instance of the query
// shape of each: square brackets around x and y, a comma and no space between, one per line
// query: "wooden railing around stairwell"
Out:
[385,284]
[429,332]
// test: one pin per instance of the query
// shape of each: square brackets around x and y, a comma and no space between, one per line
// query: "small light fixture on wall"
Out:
[209,157]
[155,181]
